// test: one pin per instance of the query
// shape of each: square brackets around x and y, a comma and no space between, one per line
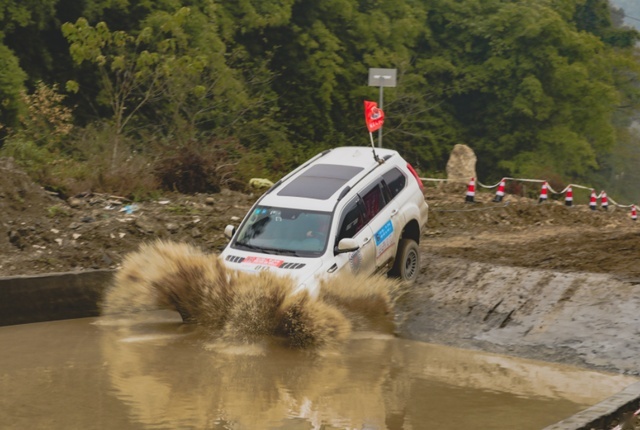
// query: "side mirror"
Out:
[229,231]
[347,245]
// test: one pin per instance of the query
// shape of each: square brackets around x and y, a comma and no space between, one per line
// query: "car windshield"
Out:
[285,231]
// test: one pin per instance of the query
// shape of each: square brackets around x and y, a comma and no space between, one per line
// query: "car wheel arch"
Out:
[411,231]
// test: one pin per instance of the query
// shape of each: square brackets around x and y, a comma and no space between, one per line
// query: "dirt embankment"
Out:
[521,232]
[41,233]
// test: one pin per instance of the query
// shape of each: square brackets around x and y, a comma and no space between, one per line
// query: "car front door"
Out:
[353,225]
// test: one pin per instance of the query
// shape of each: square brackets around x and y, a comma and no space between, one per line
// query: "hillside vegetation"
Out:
[133,97]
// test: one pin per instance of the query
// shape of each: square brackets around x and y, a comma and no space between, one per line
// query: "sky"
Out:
[631,10]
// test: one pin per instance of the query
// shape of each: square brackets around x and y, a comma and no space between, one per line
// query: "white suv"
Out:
[348,208]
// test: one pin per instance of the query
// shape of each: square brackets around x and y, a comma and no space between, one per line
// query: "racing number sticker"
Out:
[384,238]
[263,261]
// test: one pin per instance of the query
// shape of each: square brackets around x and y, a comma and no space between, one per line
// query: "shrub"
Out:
[198,168]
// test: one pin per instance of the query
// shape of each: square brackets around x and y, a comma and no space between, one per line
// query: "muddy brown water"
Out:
[150,371]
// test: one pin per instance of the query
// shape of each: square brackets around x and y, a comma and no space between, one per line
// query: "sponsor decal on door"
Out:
[384,238]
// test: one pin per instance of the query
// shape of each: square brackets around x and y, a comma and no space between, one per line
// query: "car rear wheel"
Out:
[407,263]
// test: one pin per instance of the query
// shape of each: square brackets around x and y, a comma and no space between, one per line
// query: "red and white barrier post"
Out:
[604,202]
[471,191]
[543,193]
[500,192]
[593,200]
[568,197]
[634,213]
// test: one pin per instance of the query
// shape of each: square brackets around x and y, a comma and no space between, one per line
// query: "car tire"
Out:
[407,263]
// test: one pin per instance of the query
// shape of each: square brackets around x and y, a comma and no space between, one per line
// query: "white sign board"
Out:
[382,77]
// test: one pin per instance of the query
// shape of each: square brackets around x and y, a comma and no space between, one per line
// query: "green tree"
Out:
[536,87]
[534,95]
[41,138]
[12,79]
[30,29]
[163,68]
[128,72]
[321,58]
[14,17]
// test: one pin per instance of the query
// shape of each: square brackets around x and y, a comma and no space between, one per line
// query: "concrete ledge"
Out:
[28,299]
[603,414]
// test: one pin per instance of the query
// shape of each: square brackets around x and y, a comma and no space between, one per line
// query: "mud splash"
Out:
[245,307]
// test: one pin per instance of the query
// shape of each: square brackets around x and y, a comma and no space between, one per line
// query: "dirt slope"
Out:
[521,232]
[40,233]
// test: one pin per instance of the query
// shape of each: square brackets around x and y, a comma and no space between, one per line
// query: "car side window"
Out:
[395,181]
[352,220]
[373,202]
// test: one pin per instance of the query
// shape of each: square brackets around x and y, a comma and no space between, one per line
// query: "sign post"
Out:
[382,78]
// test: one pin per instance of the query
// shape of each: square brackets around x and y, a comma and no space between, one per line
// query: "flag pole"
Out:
[373,149]
[380,129]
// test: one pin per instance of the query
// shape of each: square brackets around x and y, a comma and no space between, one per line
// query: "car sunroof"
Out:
[320,181]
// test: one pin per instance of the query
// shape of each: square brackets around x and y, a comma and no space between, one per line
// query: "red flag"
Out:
[373,116]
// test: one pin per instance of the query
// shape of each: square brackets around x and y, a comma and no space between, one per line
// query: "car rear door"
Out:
[383,217]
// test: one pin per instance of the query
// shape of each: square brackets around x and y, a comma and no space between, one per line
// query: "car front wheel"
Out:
[407,263]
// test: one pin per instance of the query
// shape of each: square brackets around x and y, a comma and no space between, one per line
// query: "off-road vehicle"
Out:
[348,208]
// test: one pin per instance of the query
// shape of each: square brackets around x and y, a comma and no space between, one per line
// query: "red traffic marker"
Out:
[543,193]
[593,200]
[568,197]
[471,191]
[604,202]
[500,192]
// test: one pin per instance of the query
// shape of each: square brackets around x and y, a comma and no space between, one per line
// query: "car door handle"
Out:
[394,213]
[366,240]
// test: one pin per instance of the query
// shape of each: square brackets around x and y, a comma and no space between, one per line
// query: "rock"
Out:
[14,238]
[172,227]
[461,166]
[260,183]
[106,259]
[75,203]
[209,201]
[145,226]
